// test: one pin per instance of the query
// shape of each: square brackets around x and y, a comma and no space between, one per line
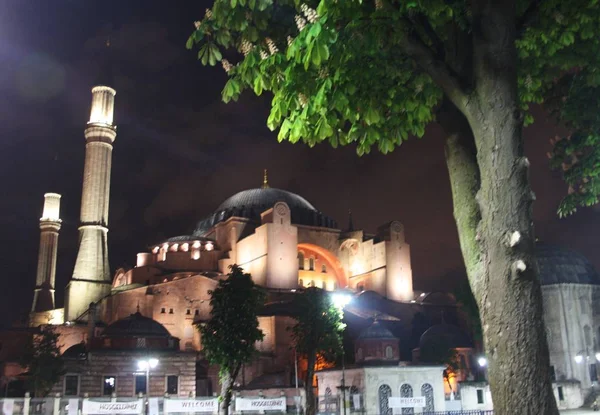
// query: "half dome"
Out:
[136,325]
[564,266]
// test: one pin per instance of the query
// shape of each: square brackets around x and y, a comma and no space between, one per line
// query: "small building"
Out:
[109,362]
[378,377]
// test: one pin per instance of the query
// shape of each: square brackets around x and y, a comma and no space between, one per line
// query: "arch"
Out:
[406,391]
[427,392]
[328,399]
[354,391]
[389,352]
[300,260]
[329,268]
[384,394]
[587,335]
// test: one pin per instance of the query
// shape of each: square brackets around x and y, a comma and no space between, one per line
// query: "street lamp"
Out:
[147,364]
[341,299]
[482,361]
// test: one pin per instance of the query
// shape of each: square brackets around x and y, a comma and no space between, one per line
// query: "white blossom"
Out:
[290,40]
[263,54]
[197,24]
[378,4]
[226,65]
[303,100]
[246,47]
[300,22]
[311,14]
[208,14]
[271,45]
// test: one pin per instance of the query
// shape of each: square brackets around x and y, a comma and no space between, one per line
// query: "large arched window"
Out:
[406,391]
[311,264]
[353,400]
[300,260]
[384,400]
[427,392]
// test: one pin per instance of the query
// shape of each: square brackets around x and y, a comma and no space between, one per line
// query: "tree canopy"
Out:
[348,72]
[43,361]
[229,337]
[317,333]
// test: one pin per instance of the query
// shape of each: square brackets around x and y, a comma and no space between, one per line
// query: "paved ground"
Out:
[579,412]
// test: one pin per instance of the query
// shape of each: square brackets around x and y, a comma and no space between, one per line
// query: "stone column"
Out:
[91,276]
[43,295]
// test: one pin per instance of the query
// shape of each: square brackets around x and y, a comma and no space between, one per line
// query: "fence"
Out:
[326,405]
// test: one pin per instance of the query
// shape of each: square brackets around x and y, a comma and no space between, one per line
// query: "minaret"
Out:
[43,295]
[91,276]
[265,184]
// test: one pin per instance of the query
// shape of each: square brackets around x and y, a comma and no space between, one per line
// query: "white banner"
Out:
[8,406]
[191,405]
[101,408]
[153,406]
[245,404]
[73,406]
[416,402]
[356,401]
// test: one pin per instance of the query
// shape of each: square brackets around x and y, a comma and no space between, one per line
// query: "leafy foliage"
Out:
[317,334]
[230,336]
[344,72]
[43,361]
[318,329]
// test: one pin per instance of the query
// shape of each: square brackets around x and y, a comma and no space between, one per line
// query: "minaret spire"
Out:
[43,296]
[265,184]
[91,279]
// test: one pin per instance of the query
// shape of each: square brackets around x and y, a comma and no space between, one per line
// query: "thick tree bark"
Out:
[308,385]
[227,381]
[507,289]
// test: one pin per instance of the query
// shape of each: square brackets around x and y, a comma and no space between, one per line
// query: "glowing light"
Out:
[196,245]
[482,362]
[341,300]
[578,358]
[196,254]
[185,247]
[147,364]
[209,246]
[598,356]
[153,363]
[174,247]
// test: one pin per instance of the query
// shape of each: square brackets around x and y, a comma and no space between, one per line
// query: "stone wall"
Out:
[123,366]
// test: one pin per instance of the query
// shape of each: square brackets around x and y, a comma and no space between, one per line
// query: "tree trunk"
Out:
[507,286]
[308,385]
[226,392]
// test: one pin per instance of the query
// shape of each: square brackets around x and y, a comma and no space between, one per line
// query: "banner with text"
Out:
[191,405]
[101,408]
[245,404]
[416,402]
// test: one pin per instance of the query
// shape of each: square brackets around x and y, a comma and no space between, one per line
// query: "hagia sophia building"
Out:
[286,244]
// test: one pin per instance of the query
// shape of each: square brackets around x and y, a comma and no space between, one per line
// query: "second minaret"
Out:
[91,276]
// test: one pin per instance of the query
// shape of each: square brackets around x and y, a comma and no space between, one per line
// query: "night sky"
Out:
[180,151]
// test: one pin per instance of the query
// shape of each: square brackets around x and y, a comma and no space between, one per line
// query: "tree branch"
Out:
[439,71]
[529,16]
[437,43]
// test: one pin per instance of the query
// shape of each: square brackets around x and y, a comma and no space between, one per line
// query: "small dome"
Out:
[564,266]
[376,331]
[251,203]
[76,351]
[446,334]
[136,325]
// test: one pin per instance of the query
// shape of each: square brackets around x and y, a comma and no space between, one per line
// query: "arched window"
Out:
[384,400]
[324,268]
[328,399]
[406,391]
[359,354]
[389,352]
[301,283]
[311,264]
[354,391]
[587,334]
[300,260]
[427,392]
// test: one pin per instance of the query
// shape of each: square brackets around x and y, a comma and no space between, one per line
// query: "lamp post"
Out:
[341,299]
[147,364]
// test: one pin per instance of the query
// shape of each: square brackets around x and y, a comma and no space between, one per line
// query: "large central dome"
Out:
[251,203]
[265,198]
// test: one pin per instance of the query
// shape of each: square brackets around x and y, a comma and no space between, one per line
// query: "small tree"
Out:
[43,361]
[317,333]
[230,335]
